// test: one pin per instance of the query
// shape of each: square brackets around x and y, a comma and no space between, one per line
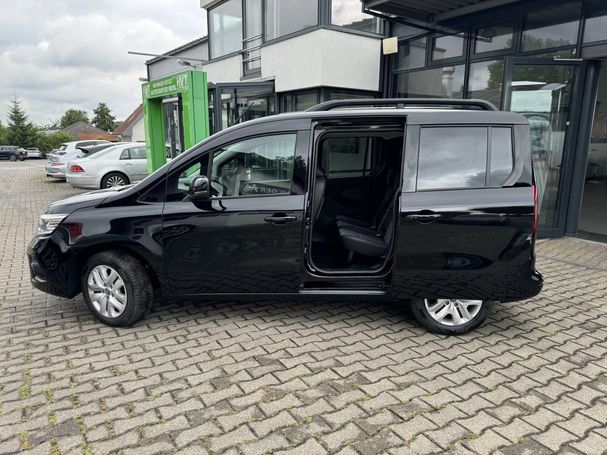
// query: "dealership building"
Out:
[544,59]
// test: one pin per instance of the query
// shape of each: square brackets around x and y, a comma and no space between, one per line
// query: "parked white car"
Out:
[56,165]
[116,166]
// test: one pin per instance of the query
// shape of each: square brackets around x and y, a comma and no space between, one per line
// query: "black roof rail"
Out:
[401,103]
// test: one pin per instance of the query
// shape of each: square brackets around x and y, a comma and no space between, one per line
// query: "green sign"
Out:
[191,88]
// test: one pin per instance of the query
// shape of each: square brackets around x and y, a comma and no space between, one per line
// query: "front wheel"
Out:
[450,316]
[13,157]
[116,288]
[113,180]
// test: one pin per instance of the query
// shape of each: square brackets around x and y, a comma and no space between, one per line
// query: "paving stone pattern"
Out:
[286,377]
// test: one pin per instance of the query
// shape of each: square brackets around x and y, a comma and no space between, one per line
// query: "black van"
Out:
[428,201]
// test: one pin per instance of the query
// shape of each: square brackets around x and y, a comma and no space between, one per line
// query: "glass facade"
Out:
[444,82]
[494,38]
[347,13]
[225,28]
[289,16]
[555,26]
[515,62]
[596,21]
[485,81]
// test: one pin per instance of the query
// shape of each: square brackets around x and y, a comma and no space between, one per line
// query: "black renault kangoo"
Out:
[430,202]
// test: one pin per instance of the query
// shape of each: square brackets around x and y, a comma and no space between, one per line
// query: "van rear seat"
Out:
[369,241]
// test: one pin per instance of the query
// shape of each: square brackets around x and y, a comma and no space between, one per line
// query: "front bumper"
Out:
[82,181]
[50,263]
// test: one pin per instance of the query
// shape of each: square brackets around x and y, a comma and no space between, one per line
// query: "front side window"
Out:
[347,13]
[225,28]
[288,16]
[254,167]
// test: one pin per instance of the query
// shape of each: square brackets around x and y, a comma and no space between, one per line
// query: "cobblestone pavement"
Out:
[307,378]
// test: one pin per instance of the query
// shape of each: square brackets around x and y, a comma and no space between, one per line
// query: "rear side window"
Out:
[464,157]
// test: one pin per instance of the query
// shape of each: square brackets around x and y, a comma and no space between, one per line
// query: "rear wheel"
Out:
[113,180]
[116,288]
[450,316]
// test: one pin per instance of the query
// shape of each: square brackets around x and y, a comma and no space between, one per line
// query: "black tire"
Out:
[13,157]
[137,283]
[421,313]
[107,178]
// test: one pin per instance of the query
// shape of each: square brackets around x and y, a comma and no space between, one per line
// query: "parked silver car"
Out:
[56,165]
[33,152]
[115,166]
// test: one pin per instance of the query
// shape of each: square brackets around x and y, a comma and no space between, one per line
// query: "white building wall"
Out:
[138,132]
[225,70]
[323,58]
[168,66]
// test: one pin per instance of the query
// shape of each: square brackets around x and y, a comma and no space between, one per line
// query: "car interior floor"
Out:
[355,199]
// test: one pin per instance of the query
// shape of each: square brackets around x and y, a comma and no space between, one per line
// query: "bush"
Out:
[48,142]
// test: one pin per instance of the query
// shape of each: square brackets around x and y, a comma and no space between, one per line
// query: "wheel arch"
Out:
[80,259]
[105,173]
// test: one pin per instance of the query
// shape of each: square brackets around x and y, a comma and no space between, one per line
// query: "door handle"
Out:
[424,218]
[128,164]
[279,218]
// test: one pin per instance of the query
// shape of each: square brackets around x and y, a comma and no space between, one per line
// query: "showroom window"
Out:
[299,101]
[485,81]
[445,82]
[348,13]
[225,28]
[289,16]
[596,21]
[555,26]
[447,46]
[494,38]
[411,54]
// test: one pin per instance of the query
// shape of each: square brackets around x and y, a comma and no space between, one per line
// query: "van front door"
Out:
[246,238]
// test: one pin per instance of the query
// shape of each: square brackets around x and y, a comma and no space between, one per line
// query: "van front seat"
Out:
[370,242]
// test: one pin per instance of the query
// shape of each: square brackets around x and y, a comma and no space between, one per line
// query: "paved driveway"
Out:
[308,378]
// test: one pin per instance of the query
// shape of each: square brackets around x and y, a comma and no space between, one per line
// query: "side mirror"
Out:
[199,189]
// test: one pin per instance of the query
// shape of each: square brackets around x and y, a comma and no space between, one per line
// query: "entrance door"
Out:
[542,90]
[593,216]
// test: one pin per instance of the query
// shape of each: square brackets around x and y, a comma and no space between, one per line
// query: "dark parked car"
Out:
[12,152]
[426,201]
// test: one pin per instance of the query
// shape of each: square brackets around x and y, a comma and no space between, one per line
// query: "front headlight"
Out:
[48,223]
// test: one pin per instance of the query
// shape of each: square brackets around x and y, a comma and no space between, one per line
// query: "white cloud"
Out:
[73,53]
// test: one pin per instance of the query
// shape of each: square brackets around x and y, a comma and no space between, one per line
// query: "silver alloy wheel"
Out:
[453,312]
[114,181]
[107,291]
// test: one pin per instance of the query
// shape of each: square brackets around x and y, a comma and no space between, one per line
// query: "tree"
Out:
[103,118]
[3,133]
[47,142]
[72,116]
[20,131]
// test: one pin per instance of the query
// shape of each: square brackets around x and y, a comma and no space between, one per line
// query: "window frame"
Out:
[210,37]
[486,126]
